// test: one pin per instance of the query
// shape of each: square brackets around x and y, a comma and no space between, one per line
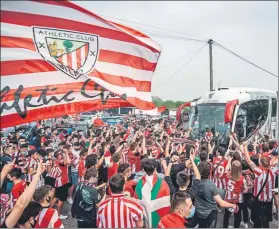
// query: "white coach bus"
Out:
[241,110]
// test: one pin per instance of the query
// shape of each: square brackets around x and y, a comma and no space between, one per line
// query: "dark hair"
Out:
[16,172]
[92,172]
[49,150]
[76,144]
[112,149]
[203,155]
[40,193]
[20,138]
[271,144]
[265,147]
[47,143]
[148,166]
[204,169]
[32,210]
[236,157]
[23,146]
[67,147]
[116,183]
[83,152]
[178,199]
[116,157]
[123,167]
[32,152]
[222,151]
[42,152]
[182,179]
[57,152]
[63,143]
[91,160]
[250,148]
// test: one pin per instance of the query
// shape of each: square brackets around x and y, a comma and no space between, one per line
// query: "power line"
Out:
[180,58]
[183,66]
[242,58]
[156,27]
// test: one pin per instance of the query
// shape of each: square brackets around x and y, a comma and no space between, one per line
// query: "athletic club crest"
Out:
[71,52]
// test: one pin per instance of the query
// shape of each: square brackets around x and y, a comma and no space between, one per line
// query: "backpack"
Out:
[84,203]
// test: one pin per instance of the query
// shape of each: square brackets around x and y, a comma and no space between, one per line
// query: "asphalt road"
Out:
[71,223]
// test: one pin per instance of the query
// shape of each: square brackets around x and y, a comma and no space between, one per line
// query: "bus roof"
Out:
[224,95]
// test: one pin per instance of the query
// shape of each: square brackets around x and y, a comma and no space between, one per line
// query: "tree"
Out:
[68,45]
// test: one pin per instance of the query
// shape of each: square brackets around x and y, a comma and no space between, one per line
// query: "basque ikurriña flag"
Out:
[58,58]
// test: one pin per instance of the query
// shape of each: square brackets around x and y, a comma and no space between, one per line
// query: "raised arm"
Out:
[24,199]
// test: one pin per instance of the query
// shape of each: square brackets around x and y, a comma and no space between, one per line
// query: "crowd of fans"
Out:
[138,173]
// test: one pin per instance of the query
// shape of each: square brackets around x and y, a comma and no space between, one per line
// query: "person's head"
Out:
[148,166]
[182,179]
[116,157]
[77,146]
[221,151]
[133,146]
[23,147]
[43,195]
[116,183]
[21,140]
[264,162]
[9,149]
[250,148]
[125,170]
[91,160]
[265,147]
[67,148]
[203,155]
[204,169]
[112,149]
[236,170]
[182,205]
[83,153]
[30,215]
[47,130]
[54,131]
[50,153]
[48,143]
[61,144]
[34,154]
[272,144]
[15,174]
[236,157]
[91,175]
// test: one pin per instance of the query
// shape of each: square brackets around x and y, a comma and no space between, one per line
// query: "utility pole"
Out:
[210,42]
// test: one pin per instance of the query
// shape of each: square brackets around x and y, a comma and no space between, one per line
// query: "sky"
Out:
[248,28]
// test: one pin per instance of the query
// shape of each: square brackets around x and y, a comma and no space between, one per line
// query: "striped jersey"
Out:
[260,177]
[235,189]
[119,211]
[49,218]
[219,168]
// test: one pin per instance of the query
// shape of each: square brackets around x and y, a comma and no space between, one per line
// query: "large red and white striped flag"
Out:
[58,58]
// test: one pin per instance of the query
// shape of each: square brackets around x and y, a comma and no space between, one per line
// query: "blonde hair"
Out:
[236,171]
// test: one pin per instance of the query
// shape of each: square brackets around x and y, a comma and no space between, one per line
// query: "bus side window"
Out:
[251,115]
[274,108]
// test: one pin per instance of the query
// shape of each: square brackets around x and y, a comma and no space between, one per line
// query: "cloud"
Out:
[247,28]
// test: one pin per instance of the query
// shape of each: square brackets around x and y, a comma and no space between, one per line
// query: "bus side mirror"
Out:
[180,108]
[229,110]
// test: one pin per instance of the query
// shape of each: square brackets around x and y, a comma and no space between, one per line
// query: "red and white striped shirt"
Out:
[235,189]
[119,211]
[63,178]
[49,218]
[219,172]
[124,157]
[260,177]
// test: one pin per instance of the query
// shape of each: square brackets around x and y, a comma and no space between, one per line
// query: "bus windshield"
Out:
[208,116]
